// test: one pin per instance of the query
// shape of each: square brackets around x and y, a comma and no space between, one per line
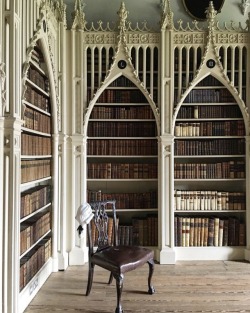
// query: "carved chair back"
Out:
[104,213]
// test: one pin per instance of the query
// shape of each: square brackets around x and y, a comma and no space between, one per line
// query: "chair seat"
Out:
[121,259]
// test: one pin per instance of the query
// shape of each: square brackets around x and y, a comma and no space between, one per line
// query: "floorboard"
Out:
[213,286]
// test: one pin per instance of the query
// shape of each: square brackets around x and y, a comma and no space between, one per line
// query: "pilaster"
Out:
[166,214]
[77,248]
[1,203]
[11,205]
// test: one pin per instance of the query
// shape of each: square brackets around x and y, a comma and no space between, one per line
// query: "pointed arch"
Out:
[233,92]
[105,86]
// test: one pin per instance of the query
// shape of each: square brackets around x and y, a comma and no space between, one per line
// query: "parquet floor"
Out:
[213,286]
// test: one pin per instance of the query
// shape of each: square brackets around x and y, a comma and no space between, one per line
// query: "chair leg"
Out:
[119,286]
[90,278]
[110,278]
[151,289]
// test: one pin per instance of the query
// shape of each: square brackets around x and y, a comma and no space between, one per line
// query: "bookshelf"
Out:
[209,173]
[122,159]
[36,183]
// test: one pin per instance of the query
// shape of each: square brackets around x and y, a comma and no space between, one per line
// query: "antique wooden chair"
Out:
[113,257]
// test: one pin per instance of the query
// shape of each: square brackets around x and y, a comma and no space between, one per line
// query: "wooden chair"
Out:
[113,257]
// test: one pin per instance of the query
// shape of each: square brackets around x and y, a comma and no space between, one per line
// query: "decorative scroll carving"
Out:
[195,26]
[107,38]
[2,90]
[131,38]
[80,23]
[7,141]
[78,16]
[228,38]
[139,38]
[16,140]
[167,151]
[190,38]
[78,149]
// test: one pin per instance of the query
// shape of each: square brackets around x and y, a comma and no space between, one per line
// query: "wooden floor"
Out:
[213,286]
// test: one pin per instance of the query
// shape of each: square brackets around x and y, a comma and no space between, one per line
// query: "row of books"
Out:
[35,169]
[210,147]
[122,129]
[133,200]
[209,111]
[122,112]
[34,198]
[37,78]
[143,232]
[37,121]
[34,261]
[226,128]
[122,147]
[209,200]
[122,170]
[35,145]
[33,229]
[209,95]
[121,96]
[209,231]
[219,170]
[38,99]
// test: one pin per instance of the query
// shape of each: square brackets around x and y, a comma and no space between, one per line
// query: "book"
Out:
[211,232]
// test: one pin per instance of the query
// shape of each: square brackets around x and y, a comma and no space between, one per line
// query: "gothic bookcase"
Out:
[182,92]
[36,178]
[209,201]
[122,126]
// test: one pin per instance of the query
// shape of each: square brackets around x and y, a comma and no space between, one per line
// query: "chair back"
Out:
[102,231]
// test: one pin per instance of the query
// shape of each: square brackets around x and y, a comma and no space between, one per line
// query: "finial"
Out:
[78,16]
[123,14]
[244,5]
[167,15]
[210,11]
[61,11]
